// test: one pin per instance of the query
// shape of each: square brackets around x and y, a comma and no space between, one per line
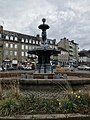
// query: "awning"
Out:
[7,60]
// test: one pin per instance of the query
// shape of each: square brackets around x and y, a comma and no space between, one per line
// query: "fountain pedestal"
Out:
[43,75]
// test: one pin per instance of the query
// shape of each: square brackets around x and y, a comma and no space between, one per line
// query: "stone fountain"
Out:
[44,52]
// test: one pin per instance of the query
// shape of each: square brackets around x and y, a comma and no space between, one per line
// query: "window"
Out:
[22,47]
[26,47]
[11,53]
[11,45]
[33,41]
[7,37]
[15,46]
[22,39]
[36,42]
[11,38]
[50,46]
[15,53]
[6,45]
[30,41]
[6,52]
[40,42]
[0,35]
[15,38]
[55,47]
[30,48]
[50,42]
[62,52]
[26,54]
[22,53]
[33,47]
[26,40]
[33,55]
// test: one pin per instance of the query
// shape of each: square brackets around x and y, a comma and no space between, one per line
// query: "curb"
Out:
[48,117]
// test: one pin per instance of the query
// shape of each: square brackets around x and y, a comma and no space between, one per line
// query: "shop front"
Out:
[14,63]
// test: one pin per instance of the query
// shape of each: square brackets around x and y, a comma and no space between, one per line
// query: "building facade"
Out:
[14,47]
[69,46]
[63,56]
[84,57]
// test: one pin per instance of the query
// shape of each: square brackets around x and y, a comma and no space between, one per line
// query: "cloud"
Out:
[66,18]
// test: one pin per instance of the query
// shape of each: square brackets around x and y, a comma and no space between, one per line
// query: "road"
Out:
[81,71]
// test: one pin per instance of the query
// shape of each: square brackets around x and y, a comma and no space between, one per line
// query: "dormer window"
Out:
[7,37]
[50,42]
[15,38]
[11,38]
[26,40]
[22,39]
[36,42]
[33,41]
[40,42]
[30,41]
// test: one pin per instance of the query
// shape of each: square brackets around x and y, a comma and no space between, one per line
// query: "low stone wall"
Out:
[23,81]
[41,75]
[77,74]
[13,74]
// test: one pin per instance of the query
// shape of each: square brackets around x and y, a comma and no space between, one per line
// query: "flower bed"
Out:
[19,104]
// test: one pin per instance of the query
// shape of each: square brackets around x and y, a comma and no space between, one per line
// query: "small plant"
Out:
[0,90]
[78,98]
[15,88]
[9,106]
[73,102]
[30,104]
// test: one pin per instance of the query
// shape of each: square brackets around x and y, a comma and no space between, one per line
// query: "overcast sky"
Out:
[67,18]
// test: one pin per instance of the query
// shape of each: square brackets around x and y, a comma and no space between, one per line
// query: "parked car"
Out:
[0,69]
[24,67]
[27,68]
[21,67]
[75,65]
[68,67]
[11,68]
[83,67]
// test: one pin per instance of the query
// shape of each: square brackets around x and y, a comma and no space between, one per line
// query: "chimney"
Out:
[64,38]
[72,41]
[1,28]
[37,36]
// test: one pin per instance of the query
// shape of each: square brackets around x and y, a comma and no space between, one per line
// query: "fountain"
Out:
[44,52]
